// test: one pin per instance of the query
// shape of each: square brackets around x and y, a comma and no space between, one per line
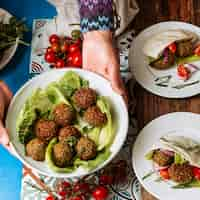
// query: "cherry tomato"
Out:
[50,198]
[73,48]
[64,47]
[100,193]
[164,173]
[78,42]
[54,39]
[196,172]
[77,59]
[49,50]
[106,179]
[50,57]
[197,50]
[69,59]
[62,193]
[81,187]
[68,39]
[77,198]
[172,47]
[183,72]
[60,63]
[66,184]
[55,47]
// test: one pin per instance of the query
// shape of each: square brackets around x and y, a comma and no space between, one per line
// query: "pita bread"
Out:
[186,147]
[157,43]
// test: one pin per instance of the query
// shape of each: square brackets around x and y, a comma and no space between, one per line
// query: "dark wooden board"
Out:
[150,106]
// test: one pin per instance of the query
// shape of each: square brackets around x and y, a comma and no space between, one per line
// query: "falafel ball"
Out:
[94,116]
[62,154]
[68,131]
[45,129]
[86,148]
[184,48]
[63,114]
[162,64]
[35,148]
[84,98]
[161,158]
[181,173]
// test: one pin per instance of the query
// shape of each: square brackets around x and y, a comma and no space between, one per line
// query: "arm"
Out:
[99,54]
[5,98]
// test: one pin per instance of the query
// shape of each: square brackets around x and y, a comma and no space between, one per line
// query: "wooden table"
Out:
[150,106]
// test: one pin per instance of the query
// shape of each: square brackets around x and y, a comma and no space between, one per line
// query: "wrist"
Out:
[107,35]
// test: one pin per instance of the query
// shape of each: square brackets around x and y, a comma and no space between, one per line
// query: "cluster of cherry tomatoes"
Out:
[83,190]
[65,51]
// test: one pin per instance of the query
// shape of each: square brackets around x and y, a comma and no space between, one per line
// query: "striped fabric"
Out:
[96,15]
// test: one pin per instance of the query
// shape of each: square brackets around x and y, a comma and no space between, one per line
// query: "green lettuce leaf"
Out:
[149,155]
[70,82]
[107,134]
[37,105]
[92,164]
[178,159]
[55,95]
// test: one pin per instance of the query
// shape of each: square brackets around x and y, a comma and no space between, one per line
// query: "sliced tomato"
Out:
[183,72]
[197,50]
[164,174]
[196,172]
[172,47]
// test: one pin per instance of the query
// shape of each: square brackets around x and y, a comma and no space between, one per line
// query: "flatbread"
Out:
[184,146]
[157,43]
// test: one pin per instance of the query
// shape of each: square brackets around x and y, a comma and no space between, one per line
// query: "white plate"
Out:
[101,85]
[178,123]
[145,75]
[8,53]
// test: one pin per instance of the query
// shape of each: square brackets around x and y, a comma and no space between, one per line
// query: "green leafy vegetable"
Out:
[36,105]
[178,159]
[11,31]
[189,59]
[148,175]
[149,155]
[91,164]
[107,132]
[55,95]
[193,184]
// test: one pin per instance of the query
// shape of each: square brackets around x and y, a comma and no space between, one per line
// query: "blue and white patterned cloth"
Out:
[130,188]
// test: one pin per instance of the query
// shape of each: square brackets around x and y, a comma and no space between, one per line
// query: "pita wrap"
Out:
[155,46]
[184,146]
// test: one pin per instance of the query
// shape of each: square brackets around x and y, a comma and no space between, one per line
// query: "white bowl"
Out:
[9,52]
[101,85]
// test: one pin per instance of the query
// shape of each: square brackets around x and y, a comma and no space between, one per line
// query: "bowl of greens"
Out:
[11,34]
[67,123]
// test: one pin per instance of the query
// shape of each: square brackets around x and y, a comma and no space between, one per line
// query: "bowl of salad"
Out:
[67,123]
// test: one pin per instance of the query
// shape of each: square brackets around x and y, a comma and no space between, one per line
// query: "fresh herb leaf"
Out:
[148,175]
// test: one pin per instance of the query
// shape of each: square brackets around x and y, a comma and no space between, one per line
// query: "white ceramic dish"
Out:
[180,123]
[8,53]
[145,75]
[101,85]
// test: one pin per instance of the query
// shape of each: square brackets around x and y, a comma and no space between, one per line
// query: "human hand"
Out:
[5,98]
[100,56]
